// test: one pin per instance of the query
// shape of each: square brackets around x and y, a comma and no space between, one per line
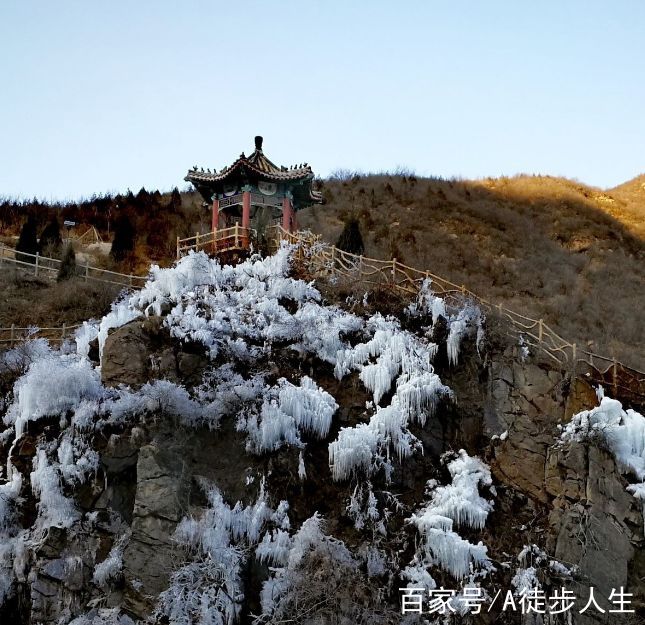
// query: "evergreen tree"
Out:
[350,239]
[175,201]
[123,242]
[67,267]
[51,242]
[28,241]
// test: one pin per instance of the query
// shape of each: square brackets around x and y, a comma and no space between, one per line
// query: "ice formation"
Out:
[122,312]
[462,321]
[398,355]
[53,385]
[287,411]
[109,570]
[457,503]
[226,308]
[216,544]
[54,507]
[623,431]
[460,500]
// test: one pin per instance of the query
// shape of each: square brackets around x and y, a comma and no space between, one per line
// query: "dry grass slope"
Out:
[29,301]
[546,247]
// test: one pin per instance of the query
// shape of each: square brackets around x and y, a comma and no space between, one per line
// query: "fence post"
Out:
[197,241]
[573,352]
[37,257]
[540,330]
[463,289]
[87,269]
[13,325]
[178,247]
[62,335]
[360,266]
[237,236]
[394,271]
[614,375]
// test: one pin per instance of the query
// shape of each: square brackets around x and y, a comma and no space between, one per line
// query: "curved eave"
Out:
[242,165]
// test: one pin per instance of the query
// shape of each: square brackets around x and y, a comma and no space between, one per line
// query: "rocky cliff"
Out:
[239,445]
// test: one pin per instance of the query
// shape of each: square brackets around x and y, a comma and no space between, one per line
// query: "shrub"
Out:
[51,242]
[123,242]
[28,241]
[67,267]
[350,239]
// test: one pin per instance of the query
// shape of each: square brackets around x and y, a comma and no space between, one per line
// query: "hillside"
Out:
[546,247]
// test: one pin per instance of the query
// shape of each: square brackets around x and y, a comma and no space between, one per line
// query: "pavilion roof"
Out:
[257,164]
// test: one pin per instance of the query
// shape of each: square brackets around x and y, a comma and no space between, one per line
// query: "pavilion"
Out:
[254,193]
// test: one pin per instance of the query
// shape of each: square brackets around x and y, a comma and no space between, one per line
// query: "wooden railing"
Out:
[324,259]
[49,267]
[218,241]
[14,334]
[257,199]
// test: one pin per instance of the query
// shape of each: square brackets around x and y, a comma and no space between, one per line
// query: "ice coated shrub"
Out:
[287,411]
[390,355]
[293,582]
[53,385]
[103,616]
[54,508]
[110,569]
[458,503]
[208,588]
[19,358]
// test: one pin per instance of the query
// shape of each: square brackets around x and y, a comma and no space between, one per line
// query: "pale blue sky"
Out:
[100,96]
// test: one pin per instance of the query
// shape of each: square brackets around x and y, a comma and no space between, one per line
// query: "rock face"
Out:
[527,402]
[570,498]
[593,523]
[161,501]
[141,351]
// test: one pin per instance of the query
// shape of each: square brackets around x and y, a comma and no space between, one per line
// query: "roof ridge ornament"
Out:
[258,143]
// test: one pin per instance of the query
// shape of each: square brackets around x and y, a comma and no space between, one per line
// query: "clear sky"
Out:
[105,96]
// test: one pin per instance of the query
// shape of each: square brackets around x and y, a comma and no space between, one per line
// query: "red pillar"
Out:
[215,223]
[246,216]
[287,214]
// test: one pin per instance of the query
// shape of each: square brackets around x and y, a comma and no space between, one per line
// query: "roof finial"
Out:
[258,143]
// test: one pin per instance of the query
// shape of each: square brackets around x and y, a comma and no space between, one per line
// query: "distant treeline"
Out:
[156,218]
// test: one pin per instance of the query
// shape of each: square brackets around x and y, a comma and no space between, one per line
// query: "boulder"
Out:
[141,351]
